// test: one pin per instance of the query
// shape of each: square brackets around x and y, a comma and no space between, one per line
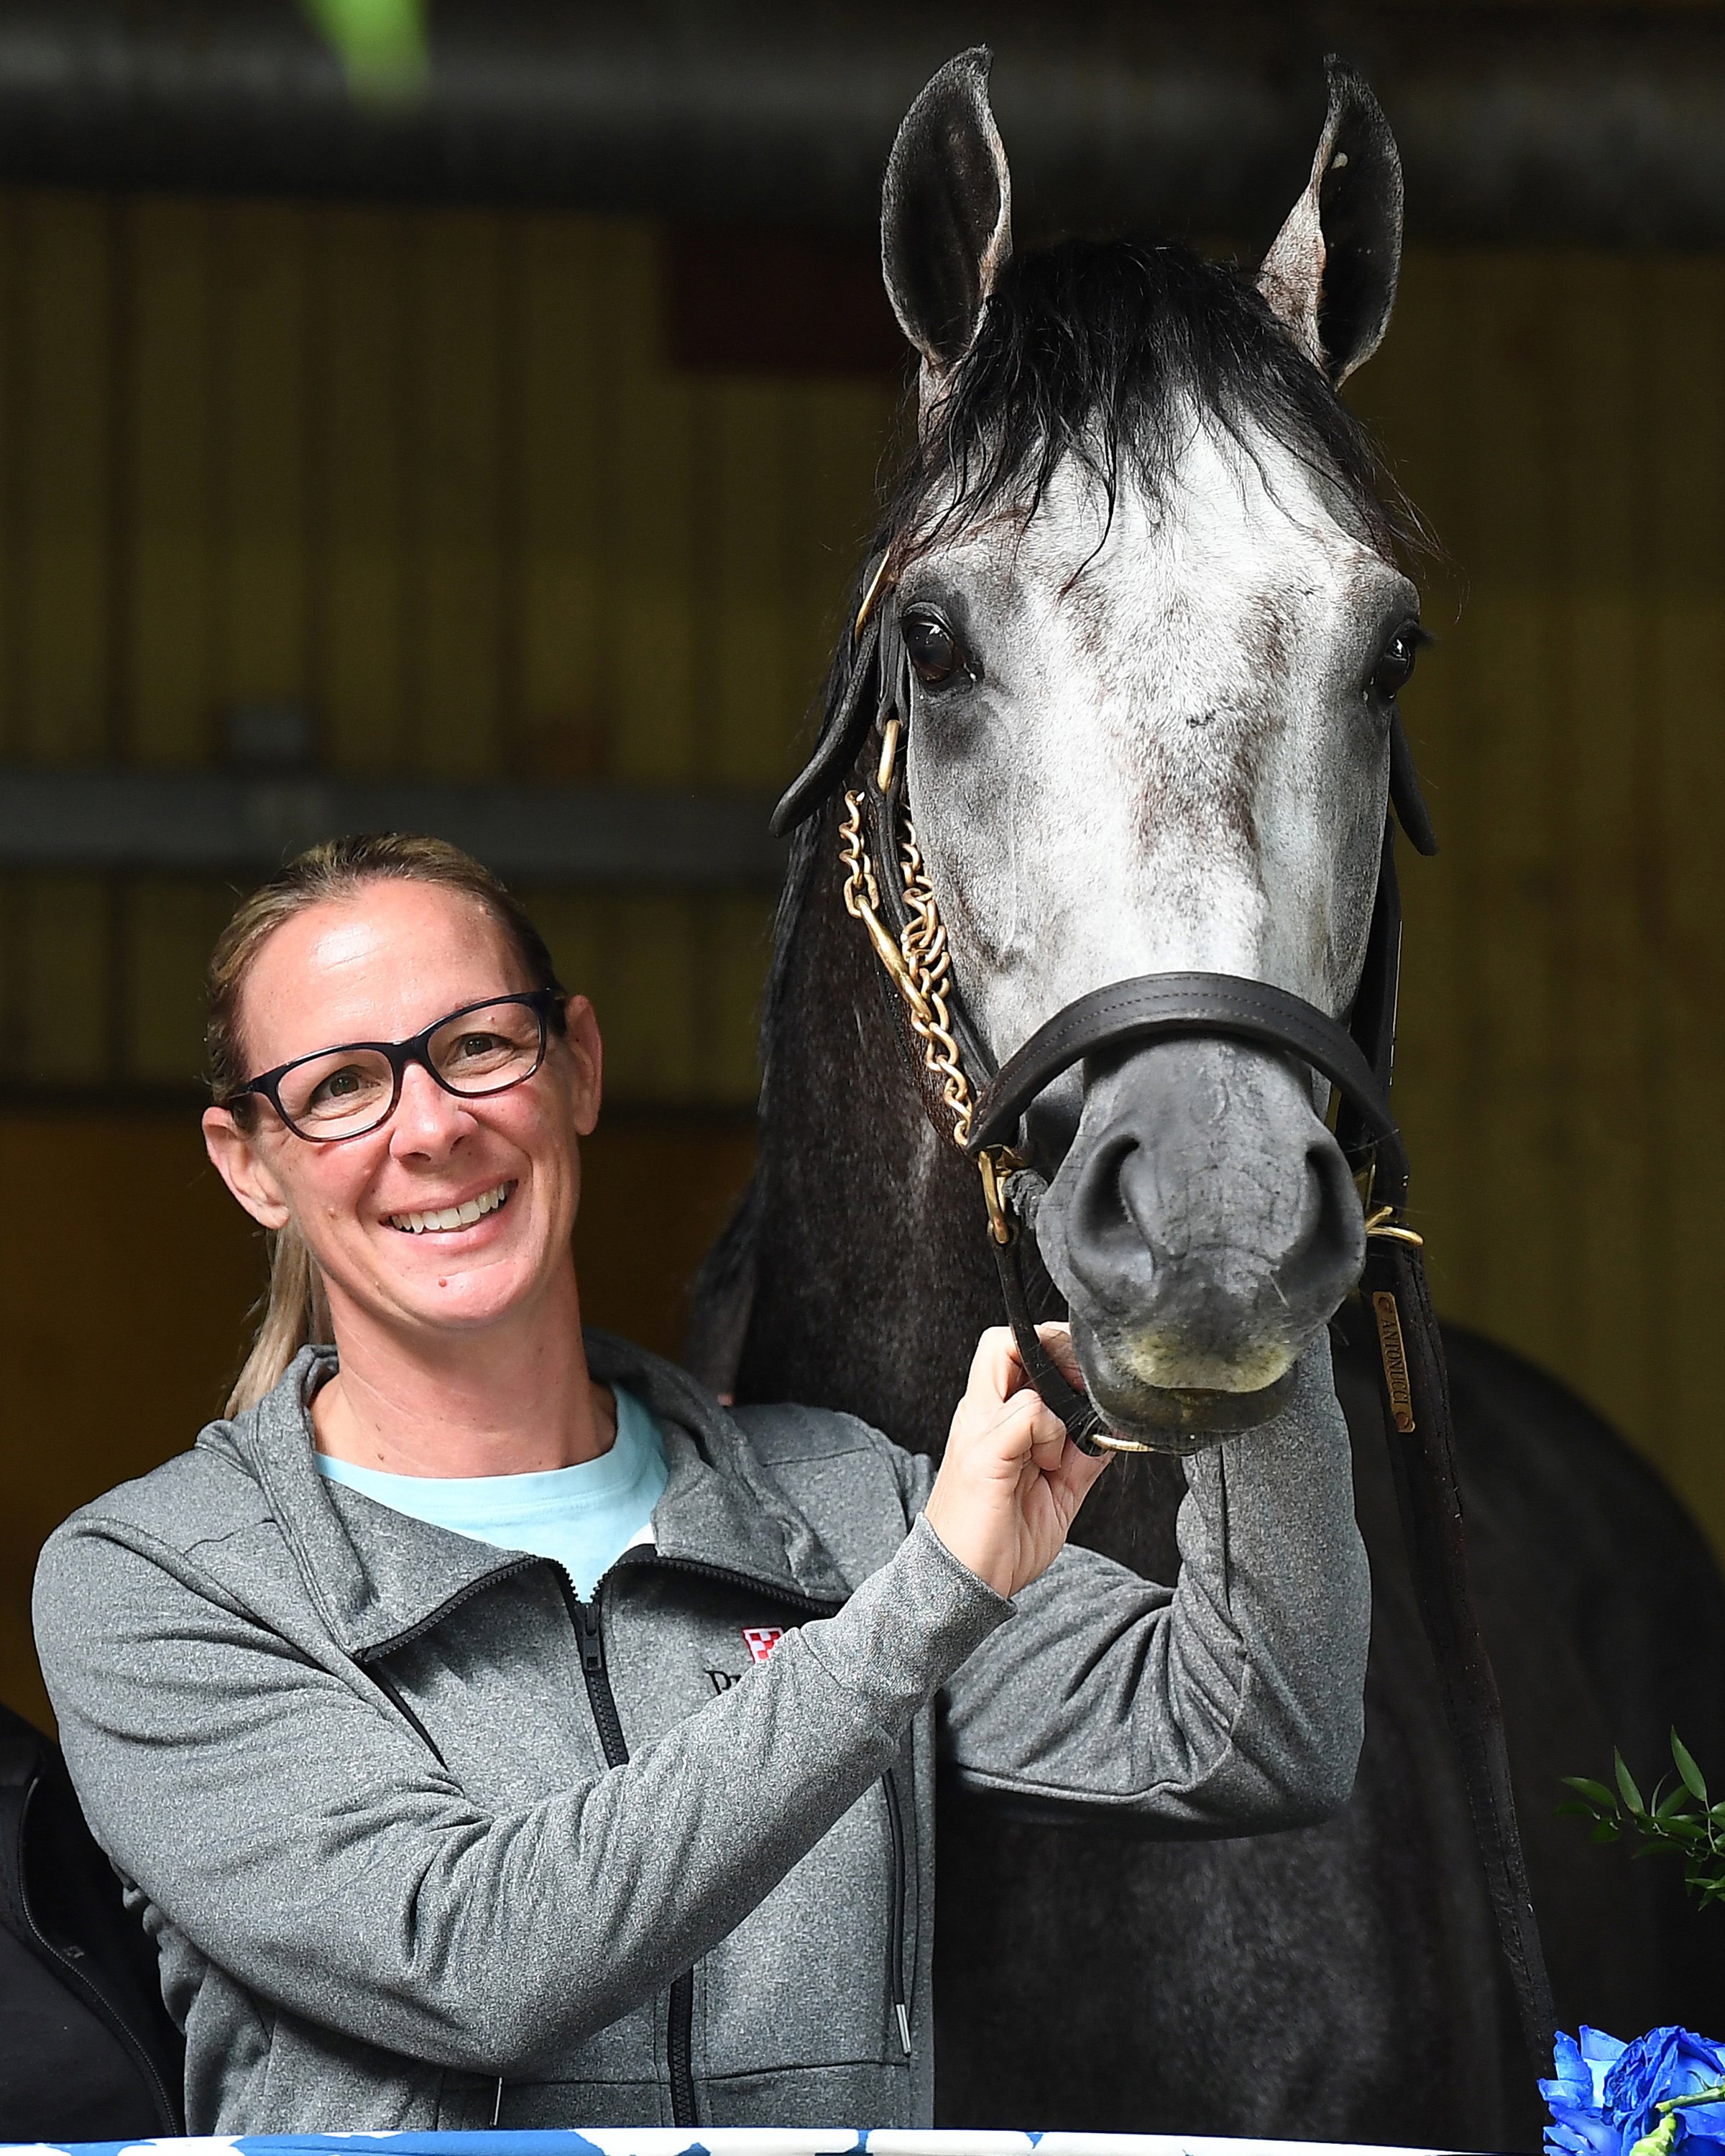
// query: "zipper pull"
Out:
[593,1644]
[904,2023]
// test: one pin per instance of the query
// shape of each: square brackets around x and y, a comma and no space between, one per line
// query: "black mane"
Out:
[1102,352]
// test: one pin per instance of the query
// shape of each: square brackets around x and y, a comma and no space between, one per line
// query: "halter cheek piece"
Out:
[982,1109]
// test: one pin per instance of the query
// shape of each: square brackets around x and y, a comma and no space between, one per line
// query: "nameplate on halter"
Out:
[1395,1361]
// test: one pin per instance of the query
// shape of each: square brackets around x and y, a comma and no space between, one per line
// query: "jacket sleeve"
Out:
[1233,1702]
[289,1823]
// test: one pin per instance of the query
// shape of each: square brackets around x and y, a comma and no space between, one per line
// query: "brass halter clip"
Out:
[997,1163]
[876,583]
[1383,1225]
[889,752]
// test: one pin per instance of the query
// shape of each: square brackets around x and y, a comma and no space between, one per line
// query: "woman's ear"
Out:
[234,1156]
[587,1056]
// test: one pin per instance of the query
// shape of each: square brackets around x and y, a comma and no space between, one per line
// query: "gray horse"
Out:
[1152,587]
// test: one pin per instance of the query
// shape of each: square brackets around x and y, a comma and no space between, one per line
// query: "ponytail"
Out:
[295,1309]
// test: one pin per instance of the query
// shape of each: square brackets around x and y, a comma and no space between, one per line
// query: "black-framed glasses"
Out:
[343,1092]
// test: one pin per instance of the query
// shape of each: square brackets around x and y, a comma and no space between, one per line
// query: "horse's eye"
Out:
[933,648]
[1395,662]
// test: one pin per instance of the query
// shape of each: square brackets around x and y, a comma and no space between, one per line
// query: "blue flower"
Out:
[1577,2097]
[1605,2095]
[1663,2064]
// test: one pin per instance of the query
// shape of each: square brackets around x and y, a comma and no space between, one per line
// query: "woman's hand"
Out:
[1012,1481]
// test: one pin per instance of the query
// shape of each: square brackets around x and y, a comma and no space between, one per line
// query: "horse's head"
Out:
[1146,585]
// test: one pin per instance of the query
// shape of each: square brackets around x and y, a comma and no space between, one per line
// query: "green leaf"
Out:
[1596,1792]
[1671,1807]
[1660,2141]
[1606,1830]
[1692,1780]
[1631,1795]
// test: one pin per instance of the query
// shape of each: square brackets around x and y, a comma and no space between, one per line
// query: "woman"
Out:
[494,1728]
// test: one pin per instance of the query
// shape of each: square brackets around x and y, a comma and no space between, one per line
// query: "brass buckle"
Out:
[870,597]
[1383,1224]
[889,752]
[996,1163]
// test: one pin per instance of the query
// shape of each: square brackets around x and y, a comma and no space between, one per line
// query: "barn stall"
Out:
[506,450]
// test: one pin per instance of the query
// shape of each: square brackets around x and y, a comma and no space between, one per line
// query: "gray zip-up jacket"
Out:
[423,1840]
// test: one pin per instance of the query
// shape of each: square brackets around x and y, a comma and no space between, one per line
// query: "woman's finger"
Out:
[1048,1440]
[1057,1339]
[996,1372]
[1075,1477]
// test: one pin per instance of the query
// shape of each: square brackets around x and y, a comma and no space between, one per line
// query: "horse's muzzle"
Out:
[1176,1419]
[1202,1227]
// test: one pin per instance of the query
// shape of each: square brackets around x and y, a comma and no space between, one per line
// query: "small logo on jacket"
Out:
[761,1640]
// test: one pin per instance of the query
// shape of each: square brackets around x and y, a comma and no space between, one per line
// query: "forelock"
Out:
[1104,356]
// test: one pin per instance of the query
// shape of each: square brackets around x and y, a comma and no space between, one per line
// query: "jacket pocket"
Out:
[807,1978]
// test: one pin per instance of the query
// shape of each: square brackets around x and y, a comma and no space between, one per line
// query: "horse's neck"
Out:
[871,1277]
[865,1239]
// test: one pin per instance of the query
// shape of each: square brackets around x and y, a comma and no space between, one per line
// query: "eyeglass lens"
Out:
[350,1089]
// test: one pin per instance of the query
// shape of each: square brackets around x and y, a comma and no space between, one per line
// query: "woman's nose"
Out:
[427,1118]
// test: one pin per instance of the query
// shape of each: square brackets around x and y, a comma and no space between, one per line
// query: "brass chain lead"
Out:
[918,959]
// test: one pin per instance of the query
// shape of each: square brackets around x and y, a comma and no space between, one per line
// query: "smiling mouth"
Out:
[452,1217]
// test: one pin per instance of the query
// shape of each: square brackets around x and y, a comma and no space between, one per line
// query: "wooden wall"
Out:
[432,479]
[483,496]
[1561,419]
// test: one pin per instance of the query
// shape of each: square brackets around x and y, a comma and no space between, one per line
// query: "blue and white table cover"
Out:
[712,2141]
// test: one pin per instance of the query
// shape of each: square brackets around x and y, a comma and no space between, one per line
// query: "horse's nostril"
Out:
[1335,1243]
[1103,1198]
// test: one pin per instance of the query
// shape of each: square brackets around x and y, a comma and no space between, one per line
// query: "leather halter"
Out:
[887,891]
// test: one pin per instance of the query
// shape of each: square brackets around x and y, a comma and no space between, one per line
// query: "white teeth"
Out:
[452,1216]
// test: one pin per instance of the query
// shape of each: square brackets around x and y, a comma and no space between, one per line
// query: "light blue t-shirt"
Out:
[582,1517]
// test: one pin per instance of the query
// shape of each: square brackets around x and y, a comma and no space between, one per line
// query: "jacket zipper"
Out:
[166,2109]
[679,2033]
[367,1655]
[895,1933]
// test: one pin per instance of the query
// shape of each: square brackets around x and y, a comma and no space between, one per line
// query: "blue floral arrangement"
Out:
[1663,2092]
[1667,2090]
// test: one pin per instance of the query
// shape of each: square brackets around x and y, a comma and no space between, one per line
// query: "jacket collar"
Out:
[380,1577]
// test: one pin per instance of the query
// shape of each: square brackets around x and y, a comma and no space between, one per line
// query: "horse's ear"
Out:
[946,212]
[1330,274]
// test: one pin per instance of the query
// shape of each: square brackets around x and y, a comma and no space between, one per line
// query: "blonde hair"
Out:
[294,1309]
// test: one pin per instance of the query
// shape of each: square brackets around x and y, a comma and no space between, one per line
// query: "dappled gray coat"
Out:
[365,1773]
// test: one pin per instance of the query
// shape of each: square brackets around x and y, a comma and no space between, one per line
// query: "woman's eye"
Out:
[339,1085]
[932,649]
[1395,663]
[474,1046]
